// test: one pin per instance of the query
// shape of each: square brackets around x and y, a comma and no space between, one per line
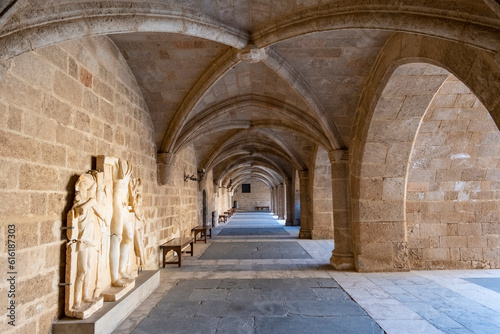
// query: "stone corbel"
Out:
[338,155]
[166,167]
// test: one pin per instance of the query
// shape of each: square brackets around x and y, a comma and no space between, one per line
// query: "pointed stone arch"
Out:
[460,25]
[381,151]
[35,28]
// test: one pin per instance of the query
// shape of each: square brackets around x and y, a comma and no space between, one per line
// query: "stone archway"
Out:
[380,150]
[452,206]
[379,226]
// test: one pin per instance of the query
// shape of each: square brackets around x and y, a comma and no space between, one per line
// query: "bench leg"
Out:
[179,255]
[192,248]
[178,251]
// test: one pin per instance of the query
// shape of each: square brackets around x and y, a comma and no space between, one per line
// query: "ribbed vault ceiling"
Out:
[260,119]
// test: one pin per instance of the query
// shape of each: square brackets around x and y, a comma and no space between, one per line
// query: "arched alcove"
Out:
[452,209]
[379,216]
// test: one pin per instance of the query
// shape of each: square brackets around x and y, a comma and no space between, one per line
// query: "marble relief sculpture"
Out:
[136,200]
[122,230]
[105,230]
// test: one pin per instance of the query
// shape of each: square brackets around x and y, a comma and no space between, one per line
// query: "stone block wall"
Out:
[177,203]
[322,197]
[61,107]
[260,195]
[222,200]
[452,207]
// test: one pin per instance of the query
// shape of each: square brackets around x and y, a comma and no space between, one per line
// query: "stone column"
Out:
[271,207]
[166,167]
[281,210]
[305,206]
[276,202]
[342,256]
[290,201]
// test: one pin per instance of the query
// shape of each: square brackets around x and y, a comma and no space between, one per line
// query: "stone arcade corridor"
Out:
[255,276]
[370,128]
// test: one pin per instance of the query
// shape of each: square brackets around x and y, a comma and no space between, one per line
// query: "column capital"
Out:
[338,155]
[303,174]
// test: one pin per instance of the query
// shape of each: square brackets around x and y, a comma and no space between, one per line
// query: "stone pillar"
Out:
[342,256]
[296,205]
[277,198]
[166,167]
[305,206]
[281,210]
[290,201]
[271,206]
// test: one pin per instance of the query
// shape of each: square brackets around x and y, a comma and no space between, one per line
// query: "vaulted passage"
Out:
[346,136]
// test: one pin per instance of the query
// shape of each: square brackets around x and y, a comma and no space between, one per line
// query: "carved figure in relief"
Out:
[136,200]
[103,225]
[122,229]
[85,213]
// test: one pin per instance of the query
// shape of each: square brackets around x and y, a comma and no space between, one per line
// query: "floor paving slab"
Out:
[182,309]
[488,283]
[323,325]
[177,326]
[440,301]
[245,294]
[241,309]
[324,308]
[236,325]
[238,231]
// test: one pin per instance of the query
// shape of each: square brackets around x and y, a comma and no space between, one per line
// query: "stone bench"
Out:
[176,245]
[203,230]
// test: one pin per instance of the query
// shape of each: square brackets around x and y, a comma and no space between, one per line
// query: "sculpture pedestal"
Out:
[109,317]
[115,293]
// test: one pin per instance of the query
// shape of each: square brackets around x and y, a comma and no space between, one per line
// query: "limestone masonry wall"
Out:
[62,106]
[260,195]
[453,185]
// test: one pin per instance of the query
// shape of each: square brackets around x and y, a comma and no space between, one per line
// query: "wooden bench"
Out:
[228,213]
[222,218]
[176,245]
[262,208]
[203,230]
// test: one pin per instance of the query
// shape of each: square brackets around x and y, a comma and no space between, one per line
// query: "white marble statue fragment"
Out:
[136,200]
[105,231]
[122,230]
[84,236]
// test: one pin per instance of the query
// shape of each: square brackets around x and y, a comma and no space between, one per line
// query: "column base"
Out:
[343,261]
[289,223]
[305,234]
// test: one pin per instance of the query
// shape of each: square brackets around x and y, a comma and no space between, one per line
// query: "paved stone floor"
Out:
[226,290]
